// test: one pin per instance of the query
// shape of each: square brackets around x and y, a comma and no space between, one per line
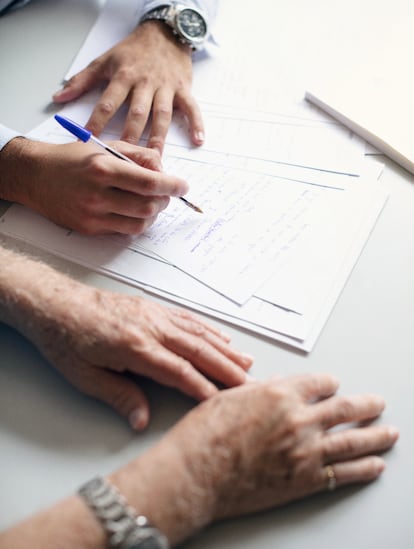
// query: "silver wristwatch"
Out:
[125,529]
[188,24]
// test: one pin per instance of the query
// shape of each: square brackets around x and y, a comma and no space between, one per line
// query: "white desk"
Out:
[53,438]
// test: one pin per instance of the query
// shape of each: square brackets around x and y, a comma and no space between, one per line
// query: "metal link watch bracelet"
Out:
[125,529]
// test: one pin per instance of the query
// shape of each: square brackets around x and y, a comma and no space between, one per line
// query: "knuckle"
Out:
[345,409]
[125,74]
[137,226]
[162,111]
[349,444]
[137,112]
[118,398]
[132,139]
[297,457]
[98,167]
[149,209]
[183,372]
[277,391]
[95,202]
[150,183]
[94,66]
[89,227]
[199,350]
[106,107]
[156,142]
[293,424]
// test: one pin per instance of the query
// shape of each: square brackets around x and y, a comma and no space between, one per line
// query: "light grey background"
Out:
[52,438]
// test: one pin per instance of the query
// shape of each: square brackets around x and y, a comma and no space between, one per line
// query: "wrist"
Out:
[16,169]
[153,31]
[161,486]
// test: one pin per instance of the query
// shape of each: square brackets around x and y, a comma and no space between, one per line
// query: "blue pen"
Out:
[85,135]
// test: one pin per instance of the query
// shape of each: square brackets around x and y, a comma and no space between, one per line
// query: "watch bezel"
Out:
[194,40]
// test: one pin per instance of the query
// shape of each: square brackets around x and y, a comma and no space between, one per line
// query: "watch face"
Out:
[192,25]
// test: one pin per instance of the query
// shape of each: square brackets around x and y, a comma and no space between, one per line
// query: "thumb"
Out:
[77,85]
[122,394]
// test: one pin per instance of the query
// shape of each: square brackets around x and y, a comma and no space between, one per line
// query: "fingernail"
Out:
[380,401]
[250,379]
[393,433]
[58,93]
[247,359]
[378,464]
[138,419]
[199,136]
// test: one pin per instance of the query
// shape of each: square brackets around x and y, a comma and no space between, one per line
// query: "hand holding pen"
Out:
[85,135]
[79,187]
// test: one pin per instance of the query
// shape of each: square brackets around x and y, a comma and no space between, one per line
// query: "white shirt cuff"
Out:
[6,135]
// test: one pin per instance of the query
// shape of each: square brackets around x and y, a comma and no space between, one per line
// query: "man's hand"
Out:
[80,187]
[99,339]
[150,70]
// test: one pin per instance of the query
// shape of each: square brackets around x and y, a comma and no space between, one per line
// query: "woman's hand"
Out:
[255,447]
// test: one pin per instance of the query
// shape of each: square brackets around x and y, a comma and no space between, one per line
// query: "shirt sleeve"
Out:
[6,5]
[208,7]
[6,135]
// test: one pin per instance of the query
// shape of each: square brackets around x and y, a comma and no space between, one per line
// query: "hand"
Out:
[80,187]
[95,337]
[152,71]
[255,447]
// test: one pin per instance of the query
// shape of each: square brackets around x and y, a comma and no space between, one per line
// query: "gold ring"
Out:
[331,477]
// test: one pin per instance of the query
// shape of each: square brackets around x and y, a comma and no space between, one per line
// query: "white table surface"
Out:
[53,438]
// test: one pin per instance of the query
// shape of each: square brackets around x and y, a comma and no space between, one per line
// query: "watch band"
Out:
[125,529]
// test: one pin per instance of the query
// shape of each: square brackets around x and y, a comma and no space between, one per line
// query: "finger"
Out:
[138,114]
[174,371]
[130,177]
[144,157]
[365,469]
[353,443]
[314,386]
[188,105]
[127,204]
[205,357]
[79,84]
[192,326]
[121,393]
[112,98]
[161,119]
[115,224]
[345,409]
[191,317]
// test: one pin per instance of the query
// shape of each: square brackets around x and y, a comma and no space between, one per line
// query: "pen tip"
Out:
[191,205]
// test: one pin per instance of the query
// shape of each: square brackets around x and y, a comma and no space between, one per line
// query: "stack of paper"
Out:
[288,204]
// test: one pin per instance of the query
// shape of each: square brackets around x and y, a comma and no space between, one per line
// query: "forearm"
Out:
[28,291]
[157,485]
[166,488]
[66,525]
